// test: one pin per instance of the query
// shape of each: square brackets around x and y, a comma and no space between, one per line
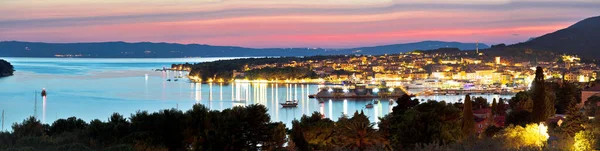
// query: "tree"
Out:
[584,140]
[517,137]
[591,105]
[404,103]
[521,118]
[521,101]
[425,123]
[30,127]
[539,112]
[468,119]
[564,93]
[494,107]
[480,103]
[313,132]
[278,137]
[67,125]
[574,120]
[357,133]
[500,109]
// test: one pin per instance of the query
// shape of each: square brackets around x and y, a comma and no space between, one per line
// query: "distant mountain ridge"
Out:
[581,38]
[174,50]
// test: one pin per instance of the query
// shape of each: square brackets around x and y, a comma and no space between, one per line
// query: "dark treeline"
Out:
[270,73]
[224,68]
[6,69]
[238,128]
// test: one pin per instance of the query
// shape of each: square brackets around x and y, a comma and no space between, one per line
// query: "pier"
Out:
[464,92]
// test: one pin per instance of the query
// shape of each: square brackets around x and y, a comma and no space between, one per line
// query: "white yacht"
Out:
[425,84]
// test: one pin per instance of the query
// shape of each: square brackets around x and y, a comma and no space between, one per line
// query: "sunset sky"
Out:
[288,23]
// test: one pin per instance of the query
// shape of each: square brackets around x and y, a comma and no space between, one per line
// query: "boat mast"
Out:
[35,105]
[2,120]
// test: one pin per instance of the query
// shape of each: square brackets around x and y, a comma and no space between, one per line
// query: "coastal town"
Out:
[439,70]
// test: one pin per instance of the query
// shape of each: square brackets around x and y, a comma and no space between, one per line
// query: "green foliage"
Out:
[269,73]
[500,109]
[494,107]
[520,118]
[357,133]
[574,121]
[539,112]
[564,94]
[405,102]
[238,128]
[6,69]
[31,127]
[480,103]
[278,137]
[532,135]
[521,101]
[591,106]
[67,125]
[468,119]
[425,123]
[491,131]
[584,141]
[313,132]
[224,68]
[317,133]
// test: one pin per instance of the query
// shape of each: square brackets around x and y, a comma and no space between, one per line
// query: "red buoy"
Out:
[43,92]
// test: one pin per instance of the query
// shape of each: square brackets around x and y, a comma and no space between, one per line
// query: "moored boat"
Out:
[290,104]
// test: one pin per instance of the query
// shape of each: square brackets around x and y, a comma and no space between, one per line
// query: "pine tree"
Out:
[539,113]
[500,107]
[494,107]
[468,119]
[574,120]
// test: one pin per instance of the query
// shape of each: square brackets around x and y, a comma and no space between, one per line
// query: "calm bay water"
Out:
[96,88]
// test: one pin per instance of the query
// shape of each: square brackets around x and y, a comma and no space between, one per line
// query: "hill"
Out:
[581,38]
[424,45]
[173,50]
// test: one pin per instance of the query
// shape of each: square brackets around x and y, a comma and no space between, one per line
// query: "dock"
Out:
[464,92]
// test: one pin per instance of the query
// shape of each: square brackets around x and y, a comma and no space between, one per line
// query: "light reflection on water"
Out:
[123,87]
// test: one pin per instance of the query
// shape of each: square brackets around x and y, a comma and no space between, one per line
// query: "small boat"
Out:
[376,102]
[168,79]
[290,104]
[239,101]
[175,80]
[369,106]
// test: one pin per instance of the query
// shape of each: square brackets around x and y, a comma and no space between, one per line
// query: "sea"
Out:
[96,88]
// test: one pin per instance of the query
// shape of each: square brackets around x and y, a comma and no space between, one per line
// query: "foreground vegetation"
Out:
[238,128]
[6,69]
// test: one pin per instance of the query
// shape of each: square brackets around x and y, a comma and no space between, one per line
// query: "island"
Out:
[6,69]
[269,68]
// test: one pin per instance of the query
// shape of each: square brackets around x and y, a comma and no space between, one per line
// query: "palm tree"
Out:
[358,134]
